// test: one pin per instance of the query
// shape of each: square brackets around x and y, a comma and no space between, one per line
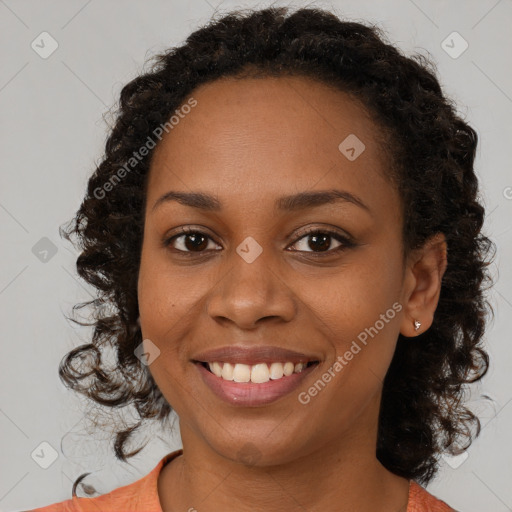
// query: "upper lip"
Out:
[253,355]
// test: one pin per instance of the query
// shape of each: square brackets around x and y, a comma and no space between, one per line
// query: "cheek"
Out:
[362,347]
[164,297]
[160,306]
[163,307]
[355,297]
[358,311]
[171,306]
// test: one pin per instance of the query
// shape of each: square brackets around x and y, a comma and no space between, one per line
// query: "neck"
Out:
[343,475]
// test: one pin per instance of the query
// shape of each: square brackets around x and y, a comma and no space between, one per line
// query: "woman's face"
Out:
[253,278]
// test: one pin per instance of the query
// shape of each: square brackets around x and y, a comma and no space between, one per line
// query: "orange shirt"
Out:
[142,496]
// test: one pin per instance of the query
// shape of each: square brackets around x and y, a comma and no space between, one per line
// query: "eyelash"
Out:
[346,242]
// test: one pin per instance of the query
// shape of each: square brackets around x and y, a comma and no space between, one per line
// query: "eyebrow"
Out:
[300,201]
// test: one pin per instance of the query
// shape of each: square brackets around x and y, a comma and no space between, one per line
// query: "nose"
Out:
[251,292]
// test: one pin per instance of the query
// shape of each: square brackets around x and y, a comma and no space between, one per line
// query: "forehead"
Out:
[270,136]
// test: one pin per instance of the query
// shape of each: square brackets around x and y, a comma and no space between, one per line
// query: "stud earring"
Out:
[417,325]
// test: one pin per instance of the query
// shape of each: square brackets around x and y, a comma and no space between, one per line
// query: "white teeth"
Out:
[299,367]
[260,373]
[276,371]
[288,368]
[227,371]
[242,373]
[257,373]
[216,368]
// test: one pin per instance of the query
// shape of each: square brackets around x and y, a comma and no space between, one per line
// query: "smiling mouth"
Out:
[257,373]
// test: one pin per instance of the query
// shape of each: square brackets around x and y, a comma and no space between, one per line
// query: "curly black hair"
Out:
[431,153]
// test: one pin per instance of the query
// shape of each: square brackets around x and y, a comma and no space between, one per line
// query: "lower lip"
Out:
[249,394]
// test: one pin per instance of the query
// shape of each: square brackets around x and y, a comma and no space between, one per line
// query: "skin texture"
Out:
[249,142]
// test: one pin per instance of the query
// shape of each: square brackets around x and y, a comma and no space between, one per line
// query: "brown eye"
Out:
[315,242]
[319,241]
[189,241]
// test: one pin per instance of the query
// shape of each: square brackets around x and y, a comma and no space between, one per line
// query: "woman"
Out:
[287,223]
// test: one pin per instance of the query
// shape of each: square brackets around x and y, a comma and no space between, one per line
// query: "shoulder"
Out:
[420,500]
[141,495]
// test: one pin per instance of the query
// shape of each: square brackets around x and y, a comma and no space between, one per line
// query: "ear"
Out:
[422,284]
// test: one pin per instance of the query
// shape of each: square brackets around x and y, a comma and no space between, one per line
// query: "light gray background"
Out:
[53,135]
